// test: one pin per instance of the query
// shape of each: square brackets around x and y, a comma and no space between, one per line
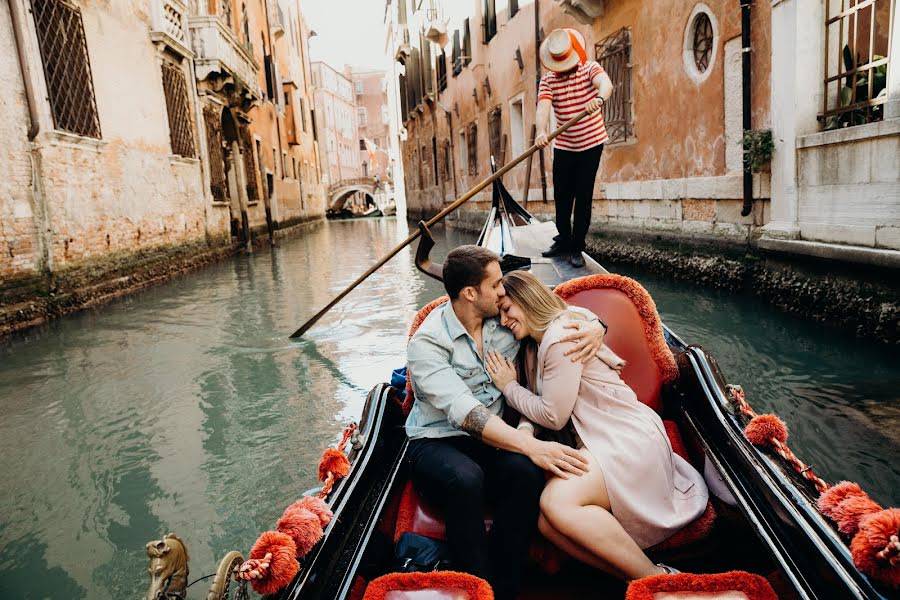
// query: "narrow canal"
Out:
[186,408]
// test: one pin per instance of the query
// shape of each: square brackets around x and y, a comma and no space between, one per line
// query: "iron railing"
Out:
[614,55]
[857,48]
[67,67]
[178,105]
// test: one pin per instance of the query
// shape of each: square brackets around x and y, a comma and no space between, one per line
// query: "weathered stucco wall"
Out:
[679,173]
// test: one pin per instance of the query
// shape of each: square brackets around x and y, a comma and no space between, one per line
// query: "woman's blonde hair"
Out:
[539,304]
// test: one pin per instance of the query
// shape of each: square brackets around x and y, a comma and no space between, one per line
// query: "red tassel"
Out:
[335,462]
[851,510]
[761,429]
[303,526]
[283,565]
[830,498]
[874,536]
[315,505]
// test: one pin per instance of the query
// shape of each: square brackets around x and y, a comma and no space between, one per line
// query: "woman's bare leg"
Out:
[578,508]
[574,550]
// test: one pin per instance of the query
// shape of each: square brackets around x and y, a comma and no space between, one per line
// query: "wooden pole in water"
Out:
[449,209]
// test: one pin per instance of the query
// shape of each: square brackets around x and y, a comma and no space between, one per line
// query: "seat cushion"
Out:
[635,330]
[734,585]
[436,585]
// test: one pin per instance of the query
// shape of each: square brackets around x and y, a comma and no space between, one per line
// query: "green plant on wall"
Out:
[758,148]
[848,97]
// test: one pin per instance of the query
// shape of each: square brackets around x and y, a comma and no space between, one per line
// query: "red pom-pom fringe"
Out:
[830,498]
[303,526]
[283,565]
[316,506]
[851,510]
[874,536]
[761,429]
[335,462]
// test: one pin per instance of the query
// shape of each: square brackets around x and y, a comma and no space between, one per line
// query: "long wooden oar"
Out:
[449,209]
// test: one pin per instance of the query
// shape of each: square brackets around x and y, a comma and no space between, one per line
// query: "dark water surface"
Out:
[186,408]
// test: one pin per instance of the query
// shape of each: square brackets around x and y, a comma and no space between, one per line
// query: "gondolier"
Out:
[572,84]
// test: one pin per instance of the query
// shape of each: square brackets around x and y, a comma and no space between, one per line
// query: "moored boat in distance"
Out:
[762,517]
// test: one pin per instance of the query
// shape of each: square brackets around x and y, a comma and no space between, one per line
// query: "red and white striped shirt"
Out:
[569,94]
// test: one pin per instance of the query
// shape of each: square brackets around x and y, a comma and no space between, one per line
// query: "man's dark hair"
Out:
[465,266]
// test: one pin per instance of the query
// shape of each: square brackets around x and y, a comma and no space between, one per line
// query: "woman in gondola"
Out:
[638,492]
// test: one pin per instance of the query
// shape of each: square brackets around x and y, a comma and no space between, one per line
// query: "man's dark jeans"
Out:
[459,476]
[573,182]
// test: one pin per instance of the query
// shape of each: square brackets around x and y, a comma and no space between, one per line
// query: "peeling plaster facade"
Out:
[108,203]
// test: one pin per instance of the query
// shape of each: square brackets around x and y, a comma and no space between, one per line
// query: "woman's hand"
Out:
[501,369]
[588,339]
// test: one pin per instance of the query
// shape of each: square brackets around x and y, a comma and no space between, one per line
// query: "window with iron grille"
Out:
[490,20]
[445,163]
[472,145]
[178,106]
[217,182]
[857,53]
[249,164]
[614,55]
[457,54]
[441,68]
[466,44]
[494,135]
[67,67]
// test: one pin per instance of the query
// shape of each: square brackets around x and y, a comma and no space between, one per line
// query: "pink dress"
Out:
[653,492]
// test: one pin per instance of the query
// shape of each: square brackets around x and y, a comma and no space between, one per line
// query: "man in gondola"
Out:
[462,453]
[572,84]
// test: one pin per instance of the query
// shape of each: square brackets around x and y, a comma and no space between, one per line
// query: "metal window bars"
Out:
[218,183]
[250,169]
[178,106]
[857,47]
[67,67]
[614,55]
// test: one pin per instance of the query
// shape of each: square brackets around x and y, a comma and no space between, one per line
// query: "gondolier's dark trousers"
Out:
[573,183]
[459,476]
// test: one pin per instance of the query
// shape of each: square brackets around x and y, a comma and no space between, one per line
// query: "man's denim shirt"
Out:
[448,377]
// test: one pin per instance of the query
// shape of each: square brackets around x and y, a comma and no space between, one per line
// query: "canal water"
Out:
[186,408]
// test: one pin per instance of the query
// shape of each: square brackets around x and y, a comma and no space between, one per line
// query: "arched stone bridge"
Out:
[339,191]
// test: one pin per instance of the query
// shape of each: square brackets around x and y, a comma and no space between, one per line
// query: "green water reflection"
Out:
[187,409]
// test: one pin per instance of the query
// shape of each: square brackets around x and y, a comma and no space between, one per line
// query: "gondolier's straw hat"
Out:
[563,50]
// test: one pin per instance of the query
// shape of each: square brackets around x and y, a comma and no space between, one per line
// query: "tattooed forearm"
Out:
[475,421]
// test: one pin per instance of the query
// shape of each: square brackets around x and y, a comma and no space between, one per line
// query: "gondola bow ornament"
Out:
[874,532]
[274,559]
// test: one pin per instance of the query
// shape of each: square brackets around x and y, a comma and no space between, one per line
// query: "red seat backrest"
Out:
[635,330]
[417,321]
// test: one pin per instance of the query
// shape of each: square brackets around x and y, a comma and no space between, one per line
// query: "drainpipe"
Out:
[17,18]
[41,216]
[745,91]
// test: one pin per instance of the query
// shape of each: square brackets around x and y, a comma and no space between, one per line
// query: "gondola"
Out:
[762,516]
[346,213]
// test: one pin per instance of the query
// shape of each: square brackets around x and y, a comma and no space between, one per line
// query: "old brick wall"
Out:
[19,254]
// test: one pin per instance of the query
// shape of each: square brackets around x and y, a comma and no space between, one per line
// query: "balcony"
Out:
[276,19]
[221,57]
[168,25]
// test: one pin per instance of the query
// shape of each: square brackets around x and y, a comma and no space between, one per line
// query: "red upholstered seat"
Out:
[635,331]
[436,585]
